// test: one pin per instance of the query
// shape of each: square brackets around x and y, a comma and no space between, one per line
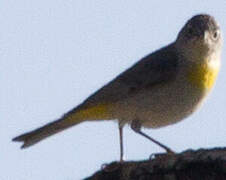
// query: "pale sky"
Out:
[56,53]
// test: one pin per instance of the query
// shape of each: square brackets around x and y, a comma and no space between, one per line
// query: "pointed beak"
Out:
[206,36]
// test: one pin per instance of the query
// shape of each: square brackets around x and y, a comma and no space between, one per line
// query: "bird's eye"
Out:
[215,34]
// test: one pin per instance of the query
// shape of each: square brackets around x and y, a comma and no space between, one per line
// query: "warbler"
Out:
[161,89]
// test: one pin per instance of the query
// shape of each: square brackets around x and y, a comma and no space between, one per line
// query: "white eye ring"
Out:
[216,34]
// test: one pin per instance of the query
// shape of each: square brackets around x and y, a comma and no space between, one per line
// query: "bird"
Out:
[159,90]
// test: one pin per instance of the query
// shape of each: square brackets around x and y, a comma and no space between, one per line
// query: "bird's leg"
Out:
[136,126]
[121,141]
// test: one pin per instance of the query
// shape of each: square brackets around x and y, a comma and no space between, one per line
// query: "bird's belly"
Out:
[162,106]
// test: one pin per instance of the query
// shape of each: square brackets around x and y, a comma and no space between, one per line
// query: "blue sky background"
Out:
[55,53]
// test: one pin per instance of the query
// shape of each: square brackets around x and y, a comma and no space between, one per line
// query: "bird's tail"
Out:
[70,119]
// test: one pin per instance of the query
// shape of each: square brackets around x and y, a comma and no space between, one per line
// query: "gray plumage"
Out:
[159,90]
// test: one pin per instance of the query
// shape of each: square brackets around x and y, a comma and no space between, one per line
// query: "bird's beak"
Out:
[206,37]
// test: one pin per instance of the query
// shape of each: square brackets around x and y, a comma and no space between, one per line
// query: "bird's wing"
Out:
[158,67]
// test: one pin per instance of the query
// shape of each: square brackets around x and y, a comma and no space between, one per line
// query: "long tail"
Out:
[73,117]
[37,135]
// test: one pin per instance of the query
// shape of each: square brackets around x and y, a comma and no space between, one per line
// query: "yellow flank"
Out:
[99,111]
[203,76]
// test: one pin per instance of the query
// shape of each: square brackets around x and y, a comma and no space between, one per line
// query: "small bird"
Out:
[161,89]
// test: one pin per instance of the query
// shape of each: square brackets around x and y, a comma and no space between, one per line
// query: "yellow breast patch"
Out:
[203,75]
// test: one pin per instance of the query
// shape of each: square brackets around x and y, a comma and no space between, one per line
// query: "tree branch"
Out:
[203,164]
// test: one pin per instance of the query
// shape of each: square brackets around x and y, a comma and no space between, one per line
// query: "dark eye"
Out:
[215,34]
